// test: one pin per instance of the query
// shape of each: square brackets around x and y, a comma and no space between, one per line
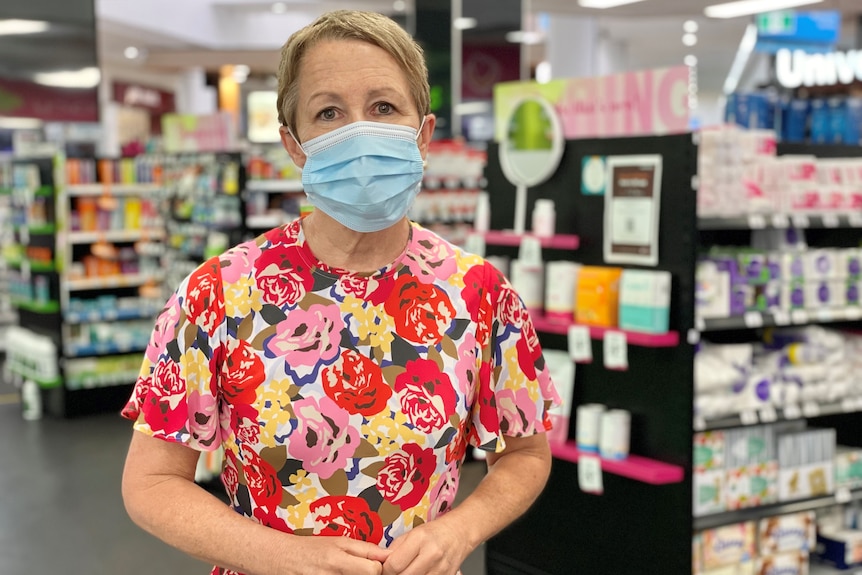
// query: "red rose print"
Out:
[230,475]
[262,479]
[271,519]
[422,313]
[205,301]
[345,516]
[528,350]
[426,395]
[243,373]
[474,291]
[278,236]
[282,276]
[165,406]
[373,290]
[356,384]
[487,403]
[406,475]
[457,448]
[510,310]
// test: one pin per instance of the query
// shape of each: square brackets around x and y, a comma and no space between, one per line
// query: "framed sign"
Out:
[632,209]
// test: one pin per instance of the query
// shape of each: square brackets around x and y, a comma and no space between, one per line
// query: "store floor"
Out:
[60,504]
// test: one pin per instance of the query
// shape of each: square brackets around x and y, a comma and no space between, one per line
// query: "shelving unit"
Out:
[669,339]
[633,467]
[557,242]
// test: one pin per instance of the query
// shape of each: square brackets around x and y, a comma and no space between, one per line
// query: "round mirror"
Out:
[533,146]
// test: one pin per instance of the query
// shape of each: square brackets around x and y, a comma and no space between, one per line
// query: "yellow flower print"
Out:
[242,297]
[421,509]
[300,480]
[372,323]
[296,514]
[195,370]
[388,433]
[272,402]
[517,378]
[465,262]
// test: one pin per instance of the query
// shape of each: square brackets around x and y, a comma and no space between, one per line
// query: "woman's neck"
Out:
[340,247]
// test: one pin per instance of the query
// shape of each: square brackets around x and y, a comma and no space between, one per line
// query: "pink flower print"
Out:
[435,260]
[203,417]
[444,491]
[164,331]
[239,261]
[308,338]
[324,439]
[517,411]
[466,370]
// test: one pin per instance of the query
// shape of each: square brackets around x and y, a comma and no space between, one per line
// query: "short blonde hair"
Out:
[370,27]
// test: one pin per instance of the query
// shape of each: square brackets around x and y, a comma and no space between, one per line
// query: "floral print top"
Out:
[345,403]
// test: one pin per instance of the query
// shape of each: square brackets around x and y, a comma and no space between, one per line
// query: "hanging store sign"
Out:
[796,68]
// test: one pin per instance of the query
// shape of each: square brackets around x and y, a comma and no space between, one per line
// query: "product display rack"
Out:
[271,203]
[9,252]
[582,533]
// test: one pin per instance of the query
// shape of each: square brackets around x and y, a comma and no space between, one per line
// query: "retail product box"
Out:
[759,268]
[562,372]
[821,124]
[825,294]
[752,467]
[793,563]
[848,467]
[805,481]
[783,533]
[728,545]
[793,266]
[709,474]
[744,568]
[793,295]
[841,547]
[713,293]
[824,264]
[794,119]
[597,300]
[645,301]
[850,262]
[806,463]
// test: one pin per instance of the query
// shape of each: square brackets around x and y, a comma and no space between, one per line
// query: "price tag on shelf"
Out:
[590,474]
[843,495]
[799,316]
[780,221]
[781,317]
[811,409]
[700,324]
[748,417]
[859,404]
[825,315]
[580,344]
[848,405]
[768,414]
[800,221]
[856,219]
[831,221]
[756,221]
[792,411]
[616,350]
[693,337]
[853,313]
[699,423]
[753,319]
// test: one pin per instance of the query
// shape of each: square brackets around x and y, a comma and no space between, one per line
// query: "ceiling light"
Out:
[464,23]
[7,123]
[689,39]
[131,52]
[690,60]
[602,4]
[690,27]
[749,7]
[83,78]
[524,37]
[543,72]
[399,5]
[15,26]
[279,8]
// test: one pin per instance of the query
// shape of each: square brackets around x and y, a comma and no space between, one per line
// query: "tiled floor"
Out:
[60,504]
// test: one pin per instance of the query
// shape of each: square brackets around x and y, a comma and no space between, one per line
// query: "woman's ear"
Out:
[292,146]
[426,133]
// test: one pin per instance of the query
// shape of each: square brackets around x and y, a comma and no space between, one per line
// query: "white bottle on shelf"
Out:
[544,219]
[31,401]
[482,219]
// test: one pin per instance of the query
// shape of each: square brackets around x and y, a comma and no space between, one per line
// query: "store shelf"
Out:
[782,221]
[754,513]
[40,267]
[93,382]
[107,348]
[808,410]
[756,319]
[36,307]
[80,190]
[266,221]
[274,186]
[39,230]
[113,236]
[109,315]
[633,467]
[670,339]
[122,281]
[558,242]
[821,569]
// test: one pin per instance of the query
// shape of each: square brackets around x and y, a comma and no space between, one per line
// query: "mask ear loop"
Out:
[422,125]
[290,133]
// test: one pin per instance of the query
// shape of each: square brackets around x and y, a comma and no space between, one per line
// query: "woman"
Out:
[345,361]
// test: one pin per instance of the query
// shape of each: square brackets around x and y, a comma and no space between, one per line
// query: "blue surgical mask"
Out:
[364,175]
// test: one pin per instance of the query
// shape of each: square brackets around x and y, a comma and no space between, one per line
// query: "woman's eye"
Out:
[328,114]
[384,108]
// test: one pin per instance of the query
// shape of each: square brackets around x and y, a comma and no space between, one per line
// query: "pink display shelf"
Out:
[559,242]
[634,467]
[669,339]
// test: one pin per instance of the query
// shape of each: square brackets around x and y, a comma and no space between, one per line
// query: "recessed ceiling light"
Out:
[689,39]
[524,37]
[602,4]
[399,5]
[464,23]
[749,7]
[690,27]
[279,8]
[131,52]
[690,60]
[16,26]
[83,78]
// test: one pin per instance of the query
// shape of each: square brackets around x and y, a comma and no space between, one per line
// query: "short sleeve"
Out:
[175,397]
[515,388]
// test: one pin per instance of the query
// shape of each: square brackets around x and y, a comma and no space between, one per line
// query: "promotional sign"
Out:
[21,99]
[810,31]
[797,68]
[187,133]
[651,102]
[632,209]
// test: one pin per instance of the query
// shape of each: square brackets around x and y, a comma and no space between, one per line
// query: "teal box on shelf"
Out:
[645,301]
